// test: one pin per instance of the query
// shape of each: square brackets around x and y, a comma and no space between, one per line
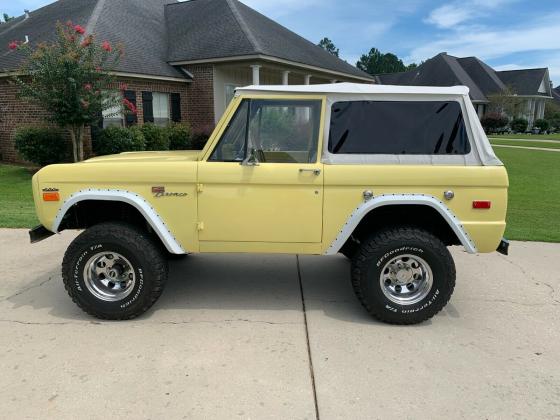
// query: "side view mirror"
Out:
[251,159]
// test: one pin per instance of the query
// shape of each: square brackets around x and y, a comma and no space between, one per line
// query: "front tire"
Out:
[403,275]
[114,271]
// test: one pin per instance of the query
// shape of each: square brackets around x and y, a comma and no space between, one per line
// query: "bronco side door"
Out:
[261,181]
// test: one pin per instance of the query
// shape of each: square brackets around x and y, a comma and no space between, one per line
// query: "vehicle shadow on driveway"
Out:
[234,285]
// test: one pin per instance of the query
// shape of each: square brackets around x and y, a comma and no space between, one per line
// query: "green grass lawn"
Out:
[16,198]
[534,195]
[527,136]
[526,143]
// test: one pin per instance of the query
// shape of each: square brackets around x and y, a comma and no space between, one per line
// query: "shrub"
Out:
[114,140]
[493,121]
[542,125]
[42,145]
[179,137]
[157,138]
[200,137]
[519,125]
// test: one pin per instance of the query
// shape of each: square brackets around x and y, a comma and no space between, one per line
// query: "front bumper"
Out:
[503,248]
[39,233]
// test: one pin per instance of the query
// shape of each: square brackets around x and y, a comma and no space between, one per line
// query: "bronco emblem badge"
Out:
[159,192]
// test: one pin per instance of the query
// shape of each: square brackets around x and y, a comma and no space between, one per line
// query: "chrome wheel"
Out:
[406,279]
[109,276]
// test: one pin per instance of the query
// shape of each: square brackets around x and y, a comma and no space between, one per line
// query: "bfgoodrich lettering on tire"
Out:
[403,275]
[114,271]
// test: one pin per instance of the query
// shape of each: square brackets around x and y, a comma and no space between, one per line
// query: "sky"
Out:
[506,34]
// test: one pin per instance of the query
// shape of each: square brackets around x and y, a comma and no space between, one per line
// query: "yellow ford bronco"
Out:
[389,176]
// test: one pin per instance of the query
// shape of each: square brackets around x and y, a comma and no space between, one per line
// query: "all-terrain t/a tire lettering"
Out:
[403,275]
[114,271]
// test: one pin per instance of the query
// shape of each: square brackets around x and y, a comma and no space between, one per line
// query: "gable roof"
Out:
[482,74]
[204,30]
[482,80]
[138,25]
[556,94]
[155,33]
[527,81]
[441,70]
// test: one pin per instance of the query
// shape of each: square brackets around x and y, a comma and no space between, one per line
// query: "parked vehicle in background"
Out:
[389,176]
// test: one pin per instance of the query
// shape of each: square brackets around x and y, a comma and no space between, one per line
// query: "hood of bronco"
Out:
[140,157]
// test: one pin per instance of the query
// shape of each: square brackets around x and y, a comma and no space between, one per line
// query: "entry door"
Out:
[263,181]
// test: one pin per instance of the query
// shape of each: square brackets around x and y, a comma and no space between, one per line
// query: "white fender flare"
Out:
[401,199]
[135,200]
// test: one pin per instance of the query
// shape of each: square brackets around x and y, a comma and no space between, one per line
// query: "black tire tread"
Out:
[375,243]
[136,239]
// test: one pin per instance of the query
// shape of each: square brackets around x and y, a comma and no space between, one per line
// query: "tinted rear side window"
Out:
[402,128]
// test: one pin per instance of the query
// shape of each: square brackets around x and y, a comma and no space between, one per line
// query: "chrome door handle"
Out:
[315,172]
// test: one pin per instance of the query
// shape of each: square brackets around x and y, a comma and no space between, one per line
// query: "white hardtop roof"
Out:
[357,88]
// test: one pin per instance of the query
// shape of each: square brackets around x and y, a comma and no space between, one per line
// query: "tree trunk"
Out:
[74,144]
[77,135]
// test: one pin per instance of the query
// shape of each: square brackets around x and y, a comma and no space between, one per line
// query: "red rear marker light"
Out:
[483,205]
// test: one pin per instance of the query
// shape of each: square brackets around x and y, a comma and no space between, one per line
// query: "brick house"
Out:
[531,86]
[182,60]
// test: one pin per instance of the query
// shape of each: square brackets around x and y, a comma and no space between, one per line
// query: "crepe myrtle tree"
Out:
[72,79]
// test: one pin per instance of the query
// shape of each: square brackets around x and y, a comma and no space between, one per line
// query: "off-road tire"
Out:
[378,250]
[146,257]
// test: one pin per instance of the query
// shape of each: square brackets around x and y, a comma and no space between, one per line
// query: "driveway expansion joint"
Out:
[21,292]
[311,370]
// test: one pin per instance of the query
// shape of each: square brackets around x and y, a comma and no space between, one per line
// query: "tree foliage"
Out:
[6,17]
[42,145]
[329,46]
[376,62]
[519,125]
[505,102]
[493,121]
[71,79]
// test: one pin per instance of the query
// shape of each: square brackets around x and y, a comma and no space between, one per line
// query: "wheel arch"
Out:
[133,206]
[428,213]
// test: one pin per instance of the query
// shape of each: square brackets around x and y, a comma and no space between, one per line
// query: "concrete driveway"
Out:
[233,338]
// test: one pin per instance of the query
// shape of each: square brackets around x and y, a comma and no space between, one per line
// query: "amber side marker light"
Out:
[51,196]
[482,205]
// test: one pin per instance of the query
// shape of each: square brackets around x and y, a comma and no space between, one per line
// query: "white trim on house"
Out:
[273,60]
[149,76]
[119,74]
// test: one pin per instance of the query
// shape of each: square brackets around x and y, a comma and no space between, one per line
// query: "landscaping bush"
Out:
[493,121]
[42,146]
[519,125]
[200,137]
[157,138]
[179,137]
[542,125]
[114,140]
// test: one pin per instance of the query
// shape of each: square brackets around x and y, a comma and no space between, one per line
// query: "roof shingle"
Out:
[482,80]
[157,32]
[236,31]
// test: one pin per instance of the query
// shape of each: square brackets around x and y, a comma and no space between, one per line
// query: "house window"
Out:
[162,114]
[230,93]
[114,116]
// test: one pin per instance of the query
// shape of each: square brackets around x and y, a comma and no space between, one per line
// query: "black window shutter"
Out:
[130,118]
[175,107]
[148,107]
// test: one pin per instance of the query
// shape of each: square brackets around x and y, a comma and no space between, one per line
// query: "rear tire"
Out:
[114,271]
[403,275]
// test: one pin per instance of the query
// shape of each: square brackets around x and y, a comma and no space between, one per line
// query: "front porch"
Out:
[229,76]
